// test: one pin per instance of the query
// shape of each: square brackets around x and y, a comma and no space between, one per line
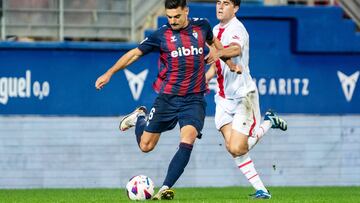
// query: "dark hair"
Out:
[236,2]
[172,4]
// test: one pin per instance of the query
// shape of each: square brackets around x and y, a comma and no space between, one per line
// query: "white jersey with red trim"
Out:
[233,85]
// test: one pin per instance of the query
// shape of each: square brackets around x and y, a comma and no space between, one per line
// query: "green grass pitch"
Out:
[191,195]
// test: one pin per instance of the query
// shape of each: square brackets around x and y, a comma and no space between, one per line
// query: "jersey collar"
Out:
[227,24]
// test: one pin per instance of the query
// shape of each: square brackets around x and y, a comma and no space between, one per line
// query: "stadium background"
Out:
[57,131]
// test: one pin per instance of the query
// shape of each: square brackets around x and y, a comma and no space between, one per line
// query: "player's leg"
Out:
[182,156]
[178,162]
[191,120]
[244,122]
[245,163]
[260,129]
[243,126]
[247,167]
[241,157]
[271,120]
[161,118]
[146,140]
[137,118]
[226,133]
[223,122]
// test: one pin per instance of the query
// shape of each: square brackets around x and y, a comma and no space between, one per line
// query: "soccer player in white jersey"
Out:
[237,101]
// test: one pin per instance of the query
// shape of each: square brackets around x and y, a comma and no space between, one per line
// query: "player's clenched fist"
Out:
[236,68]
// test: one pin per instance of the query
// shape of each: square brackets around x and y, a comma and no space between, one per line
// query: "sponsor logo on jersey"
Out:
[182,51]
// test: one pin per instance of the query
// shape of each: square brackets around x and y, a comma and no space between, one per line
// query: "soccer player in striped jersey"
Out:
[180,85]
[237,113]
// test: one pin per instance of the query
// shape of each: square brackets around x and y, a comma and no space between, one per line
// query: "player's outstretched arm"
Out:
[232,50]
[127,59]
[214,46]
[218,51]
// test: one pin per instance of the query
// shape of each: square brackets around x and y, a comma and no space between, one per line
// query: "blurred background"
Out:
[57,131]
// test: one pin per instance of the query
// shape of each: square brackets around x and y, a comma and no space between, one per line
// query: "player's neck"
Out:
[225,22]
[186,23]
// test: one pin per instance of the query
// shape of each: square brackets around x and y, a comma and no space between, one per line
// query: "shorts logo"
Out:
[348,83]
[136,82]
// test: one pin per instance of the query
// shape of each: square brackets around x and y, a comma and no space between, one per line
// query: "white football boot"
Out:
[129,120]
[165,193]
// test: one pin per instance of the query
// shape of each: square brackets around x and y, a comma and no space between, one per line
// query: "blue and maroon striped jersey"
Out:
[181,62]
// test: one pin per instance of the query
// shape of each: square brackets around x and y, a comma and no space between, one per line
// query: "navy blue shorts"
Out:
[168,110]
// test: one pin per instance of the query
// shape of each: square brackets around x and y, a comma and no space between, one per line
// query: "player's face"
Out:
[225,10]
[177,18]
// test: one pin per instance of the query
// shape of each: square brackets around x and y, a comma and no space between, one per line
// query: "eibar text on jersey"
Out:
[182,51]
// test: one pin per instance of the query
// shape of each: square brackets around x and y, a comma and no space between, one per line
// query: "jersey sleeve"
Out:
[208,30]
[150,43]
[239,36]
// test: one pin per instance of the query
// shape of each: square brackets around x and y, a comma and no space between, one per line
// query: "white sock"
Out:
[259,133]
[164,187]
[245,164]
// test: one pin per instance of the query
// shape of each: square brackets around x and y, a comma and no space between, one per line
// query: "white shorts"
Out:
[243,113]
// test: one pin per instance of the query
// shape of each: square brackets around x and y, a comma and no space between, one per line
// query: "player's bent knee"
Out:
[227,145]
[237,150]
[146,147]
[148,141]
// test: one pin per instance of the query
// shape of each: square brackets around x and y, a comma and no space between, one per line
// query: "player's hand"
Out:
[233,67]
[237,69]
[212,57]
[102,81]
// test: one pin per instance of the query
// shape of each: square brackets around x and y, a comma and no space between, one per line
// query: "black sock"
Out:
[178,164]
[139,128]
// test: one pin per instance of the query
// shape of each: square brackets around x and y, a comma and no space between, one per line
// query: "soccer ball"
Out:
[140,187]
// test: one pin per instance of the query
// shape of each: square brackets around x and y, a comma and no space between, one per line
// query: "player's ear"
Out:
[236,9]
[187,10]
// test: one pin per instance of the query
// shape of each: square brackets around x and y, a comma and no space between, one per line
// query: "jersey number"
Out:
[151,114]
